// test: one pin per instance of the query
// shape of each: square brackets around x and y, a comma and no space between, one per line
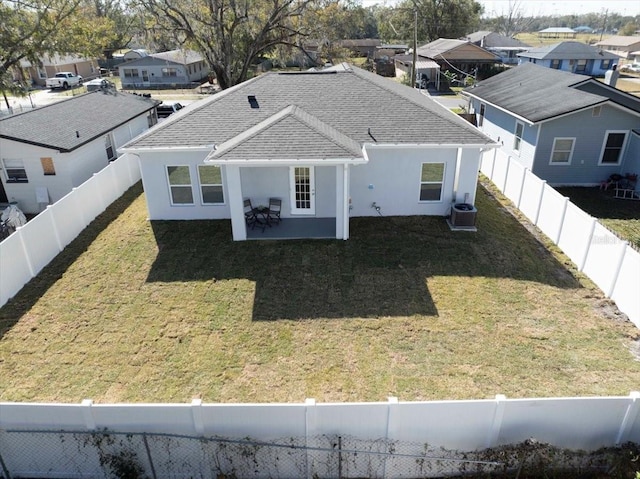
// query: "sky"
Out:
[535,8]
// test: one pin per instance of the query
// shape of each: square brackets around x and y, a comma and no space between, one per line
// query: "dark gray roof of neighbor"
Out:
[617,96]
[535,93]
[289,134]
[569,51]
[355,103]
[488,39]
[177,57]
[69,124]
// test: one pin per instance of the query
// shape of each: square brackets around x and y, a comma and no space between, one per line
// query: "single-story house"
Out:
[557,32]
[46,152]
[574,57]
[505,47]
[330,144]
[427,71]
[172,69]
[48,66]
[458,56]
[620,45]
[362,47]
[567,129]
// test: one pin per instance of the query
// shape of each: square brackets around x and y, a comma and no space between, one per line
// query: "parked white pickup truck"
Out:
[64,80]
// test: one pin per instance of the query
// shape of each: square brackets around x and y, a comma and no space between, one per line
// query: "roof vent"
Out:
[252,101]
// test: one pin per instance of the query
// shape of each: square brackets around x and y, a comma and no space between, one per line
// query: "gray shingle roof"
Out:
[538,93]
[568,51]
[488,39]
[69,124]
[289,134]
[351,101]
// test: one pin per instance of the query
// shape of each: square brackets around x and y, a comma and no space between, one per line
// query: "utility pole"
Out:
[415,47]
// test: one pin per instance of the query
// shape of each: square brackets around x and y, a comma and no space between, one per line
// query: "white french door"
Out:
[303,190]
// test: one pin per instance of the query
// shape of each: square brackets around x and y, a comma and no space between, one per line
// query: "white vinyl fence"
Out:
[392,440]
[608,261]
[34,245]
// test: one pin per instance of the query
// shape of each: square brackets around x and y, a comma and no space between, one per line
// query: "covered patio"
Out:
[296,228]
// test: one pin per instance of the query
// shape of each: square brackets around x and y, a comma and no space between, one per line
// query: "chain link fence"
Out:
[107,454]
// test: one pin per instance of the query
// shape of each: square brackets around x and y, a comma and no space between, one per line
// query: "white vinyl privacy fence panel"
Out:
[390,440]
[34,245]
[608,261]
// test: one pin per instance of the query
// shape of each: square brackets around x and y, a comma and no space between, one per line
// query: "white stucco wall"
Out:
[71,169]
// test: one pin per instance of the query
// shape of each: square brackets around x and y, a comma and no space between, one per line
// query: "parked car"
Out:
[99,84]
[631,67]
[166,109]
[64,80]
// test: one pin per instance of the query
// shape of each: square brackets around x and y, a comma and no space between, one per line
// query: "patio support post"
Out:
[345,203]
[234,188]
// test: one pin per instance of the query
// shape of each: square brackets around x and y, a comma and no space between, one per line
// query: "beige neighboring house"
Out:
[48,66]
[624,46]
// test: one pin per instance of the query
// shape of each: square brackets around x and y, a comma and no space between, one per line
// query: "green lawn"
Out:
[138,311]
[620,216]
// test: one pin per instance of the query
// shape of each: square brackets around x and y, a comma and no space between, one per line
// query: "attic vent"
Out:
[597,110]
[252,101]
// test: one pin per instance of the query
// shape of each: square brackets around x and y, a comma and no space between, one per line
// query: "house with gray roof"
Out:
[172,69]
[507,48]
[330,144]
[574,57]
[567,129]
[46,152]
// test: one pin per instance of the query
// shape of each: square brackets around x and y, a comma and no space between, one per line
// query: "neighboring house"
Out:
[363,47]
[458,56]
[331,144]
[173,69]
[427,70]
[574,57]
[557,32]
[567,129]
[46,152]
[48,66]
[506,48]
[620,45]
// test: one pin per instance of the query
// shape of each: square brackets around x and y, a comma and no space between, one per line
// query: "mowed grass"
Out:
[619,215]
[139,311]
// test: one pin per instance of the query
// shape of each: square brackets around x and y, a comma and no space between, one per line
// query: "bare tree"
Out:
[231,34]
[514,20]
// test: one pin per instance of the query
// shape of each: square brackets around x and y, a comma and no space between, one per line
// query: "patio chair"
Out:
[251,215]
[275,206]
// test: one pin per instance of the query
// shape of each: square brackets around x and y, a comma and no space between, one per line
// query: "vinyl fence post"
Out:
[54,227]
[506,175]
[496,424]
[87,414]
[101,197]
[589,241]
[25,251]
[493,163]
[524,177]
[537,215]
[616,273]
[196,414]
[556,240]
[629,417]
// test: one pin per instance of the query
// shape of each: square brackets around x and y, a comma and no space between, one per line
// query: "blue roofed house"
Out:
[329,144]
[172,69]
[46,152]
[574,57]
[567,129]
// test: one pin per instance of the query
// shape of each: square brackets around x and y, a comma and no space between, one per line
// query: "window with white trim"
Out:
[431,181]
[14,171]
[169,72]
[130,72]
[556,64]
[179,180]
[605,64]
[517,137]
[108,146]
[562,151]
[612,147]
[581,66]
[211,185]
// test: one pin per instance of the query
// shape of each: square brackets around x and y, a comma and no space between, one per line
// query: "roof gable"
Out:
[357,104]
[452,49]
[291,134]
[69,124]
